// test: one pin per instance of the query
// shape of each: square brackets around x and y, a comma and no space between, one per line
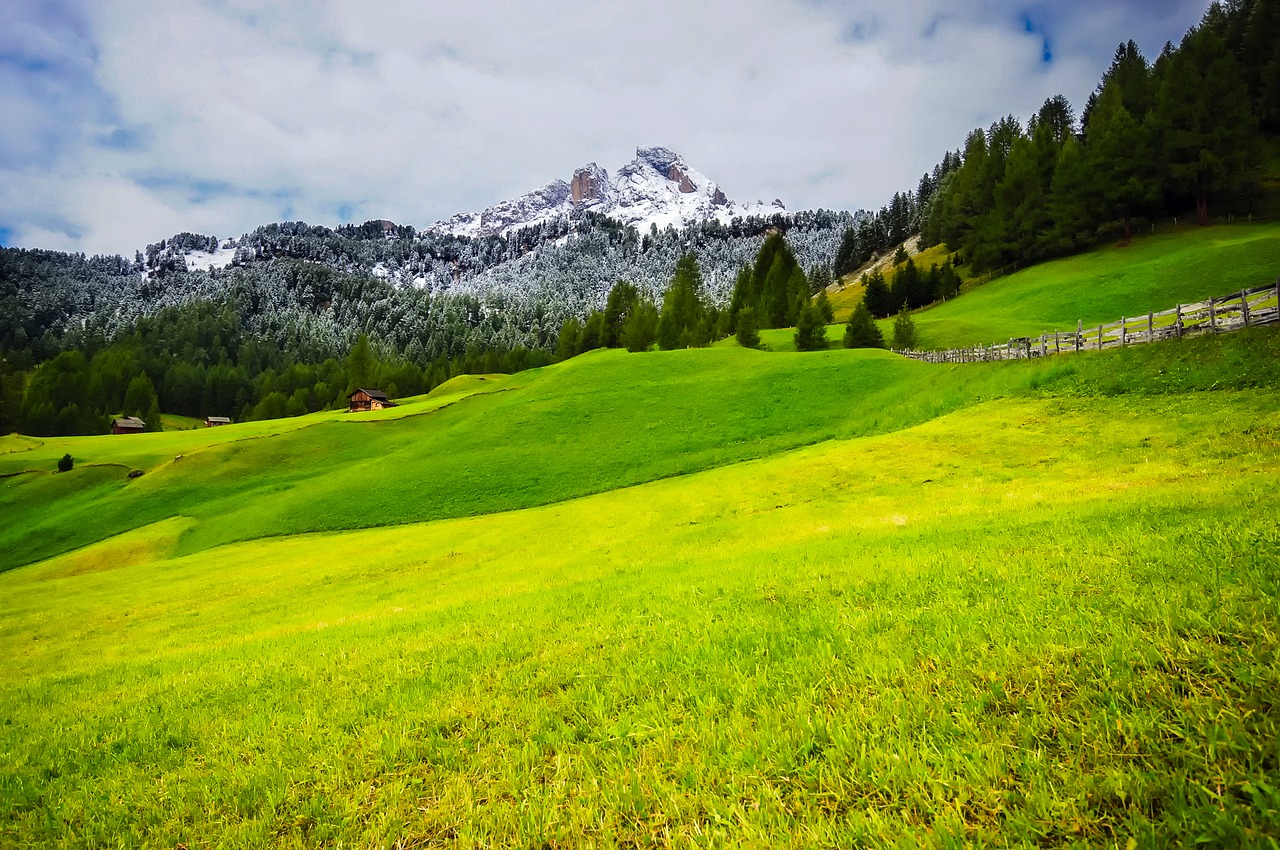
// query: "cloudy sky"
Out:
[125,121]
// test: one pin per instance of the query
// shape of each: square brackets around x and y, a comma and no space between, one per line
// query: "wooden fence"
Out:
[1243,309]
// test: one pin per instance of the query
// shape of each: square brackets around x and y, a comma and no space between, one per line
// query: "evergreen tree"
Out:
[641,327]
[593,332]
[904,331]
[747,334]
[683,306]
[622,298]
[877,296]
[360,364]
[861,330]
[1203,120]
[823,305]
[847,255]
[570,339]
[811,333]
[1071,200]
[819,279]
[1120,160]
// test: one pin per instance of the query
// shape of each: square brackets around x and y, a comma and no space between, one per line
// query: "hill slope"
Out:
[1032,619]
[1153,274]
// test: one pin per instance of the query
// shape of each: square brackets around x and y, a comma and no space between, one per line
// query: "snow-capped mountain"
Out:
[657,187]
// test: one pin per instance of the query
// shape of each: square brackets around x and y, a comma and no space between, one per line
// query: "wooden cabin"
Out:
[215,421]
[128,425]
[365,399]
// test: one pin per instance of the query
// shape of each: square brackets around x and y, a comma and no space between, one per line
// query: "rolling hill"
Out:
[708,597]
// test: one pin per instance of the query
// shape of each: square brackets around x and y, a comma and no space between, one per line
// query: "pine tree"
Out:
[641,327]
[1120,160]
[861,330]
[622,298]
[747,334]
[823,305]
[1203,120]
[878,298]
[904,331]
[811,333]
[570,339]
[683,306]
[847,255]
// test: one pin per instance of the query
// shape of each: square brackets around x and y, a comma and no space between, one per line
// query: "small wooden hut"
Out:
[215,421]
[128,425]
[366,399]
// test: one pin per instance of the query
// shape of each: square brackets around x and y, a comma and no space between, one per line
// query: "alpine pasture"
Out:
[700,598]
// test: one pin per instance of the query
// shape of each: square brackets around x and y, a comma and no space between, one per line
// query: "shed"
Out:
[128,425]
[215,421]
[366,399]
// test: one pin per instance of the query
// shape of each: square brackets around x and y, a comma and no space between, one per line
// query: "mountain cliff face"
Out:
[656,188]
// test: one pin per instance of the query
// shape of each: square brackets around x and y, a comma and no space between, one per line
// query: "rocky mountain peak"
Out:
[657,188]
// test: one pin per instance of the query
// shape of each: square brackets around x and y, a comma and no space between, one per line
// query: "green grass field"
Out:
[696,598]
[1154,273]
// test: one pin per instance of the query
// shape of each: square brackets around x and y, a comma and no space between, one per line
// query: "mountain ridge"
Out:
[657,188]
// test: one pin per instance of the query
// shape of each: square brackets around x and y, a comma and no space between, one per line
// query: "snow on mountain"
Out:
[656,188]
[206,260]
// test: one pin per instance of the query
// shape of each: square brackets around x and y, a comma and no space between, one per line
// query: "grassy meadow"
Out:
[1154,273]
[697,598]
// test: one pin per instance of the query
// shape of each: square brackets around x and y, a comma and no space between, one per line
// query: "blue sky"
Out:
[129,120]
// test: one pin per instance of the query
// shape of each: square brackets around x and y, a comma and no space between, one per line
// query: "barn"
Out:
[128,425]
[215,421]
[366,399]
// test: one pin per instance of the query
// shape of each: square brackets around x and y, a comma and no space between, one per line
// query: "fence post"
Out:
[1213,318]
[1122,321]
[1043,344]
[1244,306]
[1079,334]
[1099,337]
[1178,321]
[1151,327]
[1057,342]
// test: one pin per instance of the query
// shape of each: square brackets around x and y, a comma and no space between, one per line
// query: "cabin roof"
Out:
[378,394]
[128,422]
[226,419]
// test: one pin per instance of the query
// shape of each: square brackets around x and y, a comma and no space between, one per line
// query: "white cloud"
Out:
[235,113]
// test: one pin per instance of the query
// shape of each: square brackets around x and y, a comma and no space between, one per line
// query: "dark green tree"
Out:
[360,365]
[904,330]
[811,333]
[823,305]
[684,307]
[641,327]
[570,339]
[1120,160]
[622,298]
[861,330]
[65,463]
[747,334]
[593,332]
[1203,120]
[877,296]
[847,255]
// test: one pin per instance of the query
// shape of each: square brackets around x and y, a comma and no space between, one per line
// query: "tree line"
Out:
[1155,138]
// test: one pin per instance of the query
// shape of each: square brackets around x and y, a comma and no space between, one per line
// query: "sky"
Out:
[123,122]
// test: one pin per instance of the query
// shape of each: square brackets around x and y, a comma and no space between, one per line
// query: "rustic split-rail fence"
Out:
[1242,309]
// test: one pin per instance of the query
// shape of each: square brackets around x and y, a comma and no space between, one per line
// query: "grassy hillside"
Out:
[605,420]
[1154,273]
[1042,619]
[698,598]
